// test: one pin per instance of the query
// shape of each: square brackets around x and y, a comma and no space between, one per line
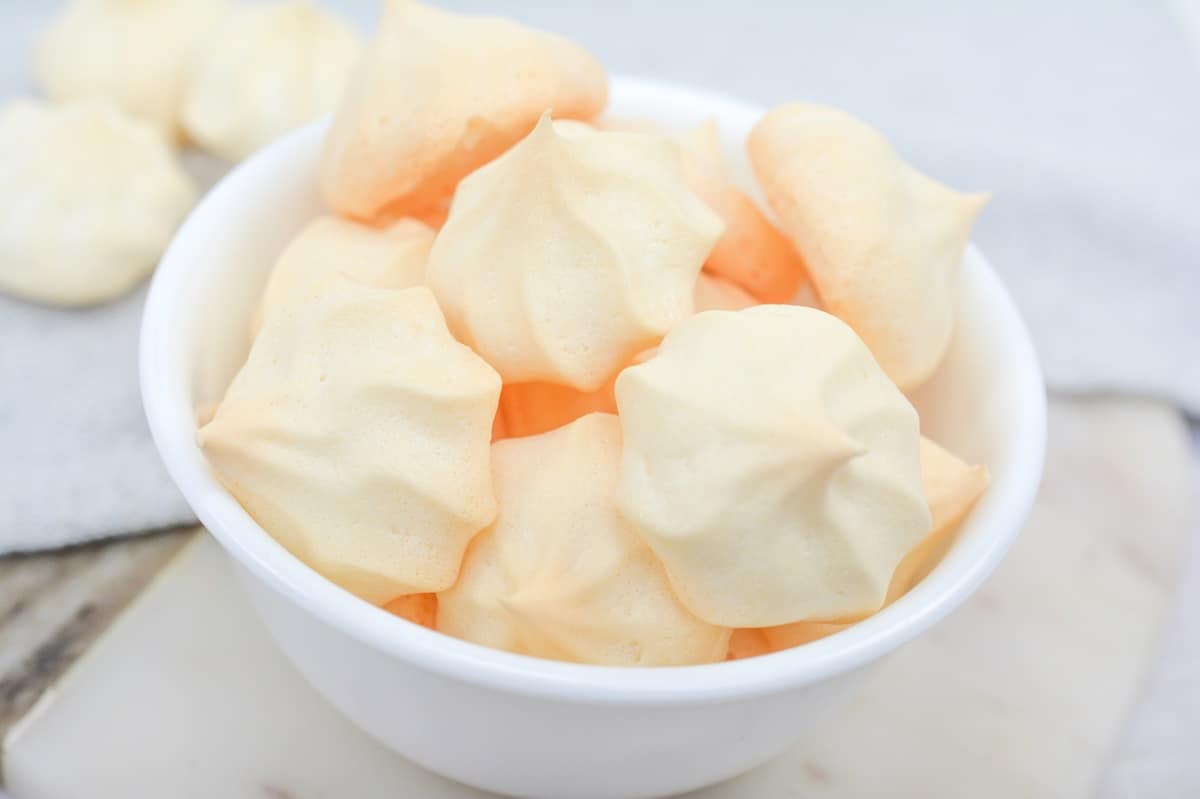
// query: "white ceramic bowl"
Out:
[520,725]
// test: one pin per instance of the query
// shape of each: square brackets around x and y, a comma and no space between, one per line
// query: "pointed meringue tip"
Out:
[843,448]
[974,202]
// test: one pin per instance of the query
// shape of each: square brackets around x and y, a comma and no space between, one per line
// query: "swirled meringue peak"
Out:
[570,254]
[950,487]
[771,465]
[439,94]
[560,574]
[883,242]
[358,435]
[330,250]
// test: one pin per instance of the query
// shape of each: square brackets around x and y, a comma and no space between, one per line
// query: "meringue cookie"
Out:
[570,254]
[752,252]
[560,574]
[883,243]
[785,636]
[527,409]
[418,608]
[330,250]
[134,54]
[950,488]
[714,294]
[771,465]
[89,199]
[532,408]
[357,434]
[440,94]
[747,643]
[264,71]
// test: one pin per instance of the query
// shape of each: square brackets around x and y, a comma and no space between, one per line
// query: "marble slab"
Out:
[1023,692]
[53,605]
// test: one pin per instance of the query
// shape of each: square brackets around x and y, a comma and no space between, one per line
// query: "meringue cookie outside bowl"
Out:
[519,725]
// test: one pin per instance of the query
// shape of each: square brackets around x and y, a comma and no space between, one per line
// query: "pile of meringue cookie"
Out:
[546,386]
[92,186]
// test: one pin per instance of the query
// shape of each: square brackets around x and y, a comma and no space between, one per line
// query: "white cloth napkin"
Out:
[1082,118]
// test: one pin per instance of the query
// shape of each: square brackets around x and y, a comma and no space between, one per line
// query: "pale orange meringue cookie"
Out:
[440,94]
[418,608]
[532,408]
[747,642]
[883,243]
[771,465]
[330,250]
[358,435]
[715,294]
[951,488]
[571,253]
[560,574]
[751,252]
[527,409]
[785,636]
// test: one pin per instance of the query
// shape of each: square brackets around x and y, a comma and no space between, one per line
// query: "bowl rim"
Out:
[171,419]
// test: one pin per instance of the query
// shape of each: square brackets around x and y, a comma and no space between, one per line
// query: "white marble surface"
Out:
[1022,692]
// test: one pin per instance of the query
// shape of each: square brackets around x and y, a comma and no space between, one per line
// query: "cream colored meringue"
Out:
[527,409]
[440,94]
[357,434]
[714,294]
[264,71]
[560,574]
[747,642]
[570,254]
[418,608]
[883,242]
[330,250]
[89,199]
[950,488]
[771,465]
[785,636]
[751,253]
[134,54]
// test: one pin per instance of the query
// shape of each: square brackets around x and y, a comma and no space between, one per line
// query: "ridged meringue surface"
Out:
[950,488]
[752,252]
[263,71]
[357,434]
[330,250]
[883,243]
[771,465]
[134,54]
[89,199]
[440,94]
[560,574]
[570,254]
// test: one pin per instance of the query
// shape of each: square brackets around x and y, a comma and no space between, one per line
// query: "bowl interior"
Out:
[986,403]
